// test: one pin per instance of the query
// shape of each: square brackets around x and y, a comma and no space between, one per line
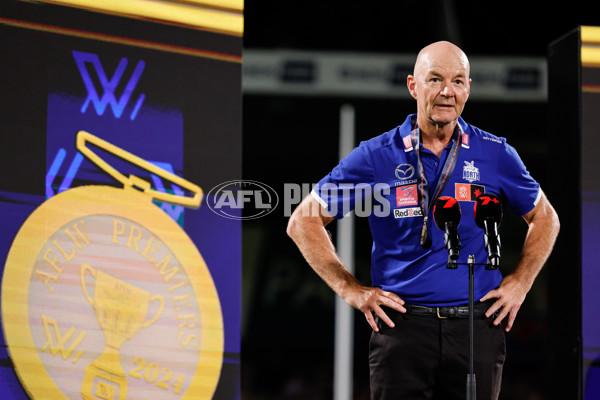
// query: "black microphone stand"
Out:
[471,383]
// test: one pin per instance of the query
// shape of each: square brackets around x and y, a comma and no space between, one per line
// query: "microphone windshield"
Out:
[446,209]
[487,207]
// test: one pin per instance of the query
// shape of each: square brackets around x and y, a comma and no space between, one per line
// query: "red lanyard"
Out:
[422,185]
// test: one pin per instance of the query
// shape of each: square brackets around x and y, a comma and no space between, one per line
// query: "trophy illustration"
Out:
[121,311]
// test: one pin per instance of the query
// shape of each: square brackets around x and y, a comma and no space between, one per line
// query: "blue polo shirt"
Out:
[378,179]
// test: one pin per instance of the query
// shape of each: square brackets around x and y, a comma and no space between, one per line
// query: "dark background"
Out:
[288,312]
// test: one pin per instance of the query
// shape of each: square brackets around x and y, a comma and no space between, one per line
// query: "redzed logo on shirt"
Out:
[407,196]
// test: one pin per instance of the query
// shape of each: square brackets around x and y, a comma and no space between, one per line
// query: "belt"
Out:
[479,310]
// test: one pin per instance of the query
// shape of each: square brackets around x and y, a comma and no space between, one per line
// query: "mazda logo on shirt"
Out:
[404,171]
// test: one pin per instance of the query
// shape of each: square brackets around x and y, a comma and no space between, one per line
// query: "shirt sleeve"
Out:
[518,187]
[349,183]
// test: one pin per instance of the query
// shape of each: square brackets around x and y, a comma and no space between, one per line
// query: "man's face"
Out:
[441,86]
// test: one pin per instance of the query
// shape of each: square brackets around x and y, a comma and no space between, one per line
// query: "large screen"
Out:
[117,281]
[590,210]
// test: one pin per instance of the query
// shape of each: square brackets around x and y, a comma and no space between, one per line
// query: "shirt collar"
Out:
[408,125]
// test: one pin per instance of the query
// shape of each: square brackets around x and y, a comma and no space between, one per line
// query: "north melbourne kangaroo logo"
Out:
[109,85]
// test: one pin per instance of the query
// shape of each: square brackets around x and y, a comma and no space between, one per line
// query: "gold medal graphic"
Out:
[105,297]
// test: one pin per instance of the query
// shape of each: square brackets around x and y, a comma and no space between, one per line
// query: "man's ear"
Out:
[410,84]
[468,89]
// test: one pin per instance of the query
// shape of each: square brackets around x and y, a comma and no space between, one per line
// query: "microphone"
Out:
[446,215]
[488,215]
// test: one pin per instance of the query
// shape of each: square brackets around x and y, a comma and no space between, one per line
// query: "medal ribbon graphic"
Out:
[133,181]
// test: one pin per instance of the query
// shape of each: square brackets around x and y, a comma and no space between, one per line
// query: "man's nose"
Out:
[447,90]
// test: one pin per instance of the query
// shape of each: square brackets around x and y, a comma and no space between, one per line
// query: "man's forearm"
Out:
[543,230]
[307,228]
[314,242]
[540,239]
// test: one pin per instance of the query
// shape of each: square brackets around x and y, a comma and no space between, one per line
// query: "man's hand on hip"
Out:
[369,299]
[510,295]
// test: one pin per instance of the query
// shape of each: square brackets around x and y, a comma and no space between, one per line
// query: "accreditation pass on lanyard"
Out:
[423,186]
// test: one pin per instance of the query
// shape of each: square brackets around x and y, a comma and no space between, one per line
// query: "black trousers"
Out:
[425,357]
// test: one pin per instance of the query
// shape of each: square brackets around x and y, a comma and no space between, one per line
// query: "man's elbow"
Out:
[291,226]
[555,221]
[552,221]
[294,225]
[307,217]
[547,216]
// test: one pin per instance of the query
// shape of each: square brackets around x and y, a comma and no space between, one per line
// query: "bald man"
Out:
[416,306]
